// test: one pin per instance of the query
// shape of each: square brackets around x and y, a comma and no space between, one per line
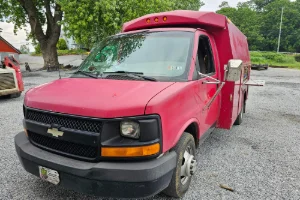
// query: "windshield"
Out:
[164,56]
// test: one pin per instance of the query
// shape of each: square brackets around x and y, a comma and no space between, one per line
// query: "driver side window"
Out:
[205,62]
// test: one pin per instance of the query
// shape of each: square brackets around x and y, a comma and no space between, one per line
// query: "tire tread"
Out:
[174,189]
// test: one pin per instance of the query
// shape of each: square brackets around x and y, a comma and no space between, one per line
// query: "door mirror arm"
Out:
[215,81]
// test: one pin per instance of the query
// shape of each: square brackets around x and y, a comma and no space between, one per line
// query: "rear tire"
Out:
[239,118]
[185,167]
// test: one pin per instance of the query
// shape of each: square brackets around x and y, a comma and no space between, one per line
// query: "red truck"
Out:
[127,123]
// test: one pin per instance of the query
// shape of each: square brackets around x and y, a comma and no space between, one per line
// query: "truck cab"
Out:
[127,123]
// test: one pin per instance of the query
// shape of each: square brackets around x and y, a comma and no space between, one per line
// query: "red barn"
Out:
[6,49]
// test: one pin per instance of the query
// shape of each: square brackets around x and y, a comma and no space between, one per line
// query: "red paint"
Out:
[6,47]
[100,98]
[178,17]
[178,104]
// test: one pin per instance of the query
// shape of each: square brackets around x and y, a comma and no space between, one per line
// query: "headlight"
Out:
[130,129]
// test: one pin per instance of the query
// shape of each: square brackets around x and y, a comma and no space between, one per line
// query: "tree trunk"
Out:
[50,57]
[48,39]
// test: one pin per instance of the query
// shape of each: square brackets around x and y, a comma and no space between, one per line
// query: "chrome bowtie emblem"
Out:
[55,132]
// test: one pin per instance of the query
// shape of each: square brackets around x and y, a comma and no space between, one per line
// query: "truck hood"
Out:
[99,98]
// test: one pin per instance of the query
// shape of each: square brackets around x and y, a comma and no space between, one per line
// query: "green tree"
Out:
[62,44]
[91,21]
[224,4]
[3,9]
[248,21]
[290,38]
[260,4]
[24,49]
[39,14]
[187,4]
[260,20]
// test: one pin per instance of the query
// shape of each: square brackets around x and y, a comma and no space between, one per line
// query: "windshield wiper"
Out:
[133,74]
[86,74]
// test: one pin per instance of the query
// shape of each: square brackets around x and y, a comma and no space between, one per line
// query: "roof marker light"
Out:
[148,21]
[156,19]
[165,18]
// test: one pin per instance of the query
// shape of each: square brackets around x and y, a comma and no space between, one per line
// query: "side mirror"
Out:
[234,69]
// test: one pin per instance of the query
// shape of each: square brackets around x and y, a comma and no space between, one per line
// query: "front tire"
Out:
[185,167]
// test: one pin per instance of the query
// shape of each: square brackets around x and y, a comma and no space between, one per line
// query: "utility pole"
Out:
[280,31]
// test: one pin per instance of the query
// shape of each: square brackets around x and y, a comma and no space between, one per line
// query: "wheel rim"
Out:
[188,166]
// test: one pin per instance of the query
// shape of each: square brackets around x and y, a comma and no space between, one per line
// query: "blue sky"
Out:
[20,38]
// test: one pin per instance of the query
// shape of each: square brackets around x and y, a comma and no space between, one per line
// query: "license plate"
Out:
[49,175]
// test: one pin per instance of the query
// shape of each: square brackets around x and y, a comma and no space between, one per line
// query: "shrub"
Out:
[256,54]
[279,58]
[271,57]
[62,44]
[37,49]
[297,58]
[260,60]
[70,52]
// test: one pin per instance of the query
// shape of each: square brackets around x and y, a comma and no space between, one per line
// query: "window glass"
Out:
[162,55]
[205,56]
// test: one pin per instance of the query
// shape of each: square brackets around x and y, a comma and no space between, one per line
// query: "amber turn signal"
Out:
[130,151]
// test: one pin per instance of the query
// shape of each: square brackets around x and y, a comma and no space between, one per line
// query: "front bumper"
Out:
[105,179]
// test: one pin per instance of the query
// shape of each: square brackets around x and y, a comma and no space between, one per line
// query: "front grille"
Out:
[62,146]
[65,121]
[7,81]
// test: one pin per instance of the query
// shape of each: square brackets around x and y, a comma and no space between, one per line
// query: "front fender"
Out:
[178,108]
[183,128]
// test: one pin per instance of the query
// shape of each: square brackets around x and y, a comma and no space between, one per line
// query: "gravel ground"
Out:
[259,159]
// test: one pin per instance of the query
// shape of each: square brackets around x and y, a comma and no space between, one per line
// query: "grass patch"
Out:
[66,52]
[275,59]
[71,52]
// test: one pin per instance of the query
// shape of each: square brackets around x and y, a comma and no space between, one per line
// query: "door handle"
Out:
[209,82]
